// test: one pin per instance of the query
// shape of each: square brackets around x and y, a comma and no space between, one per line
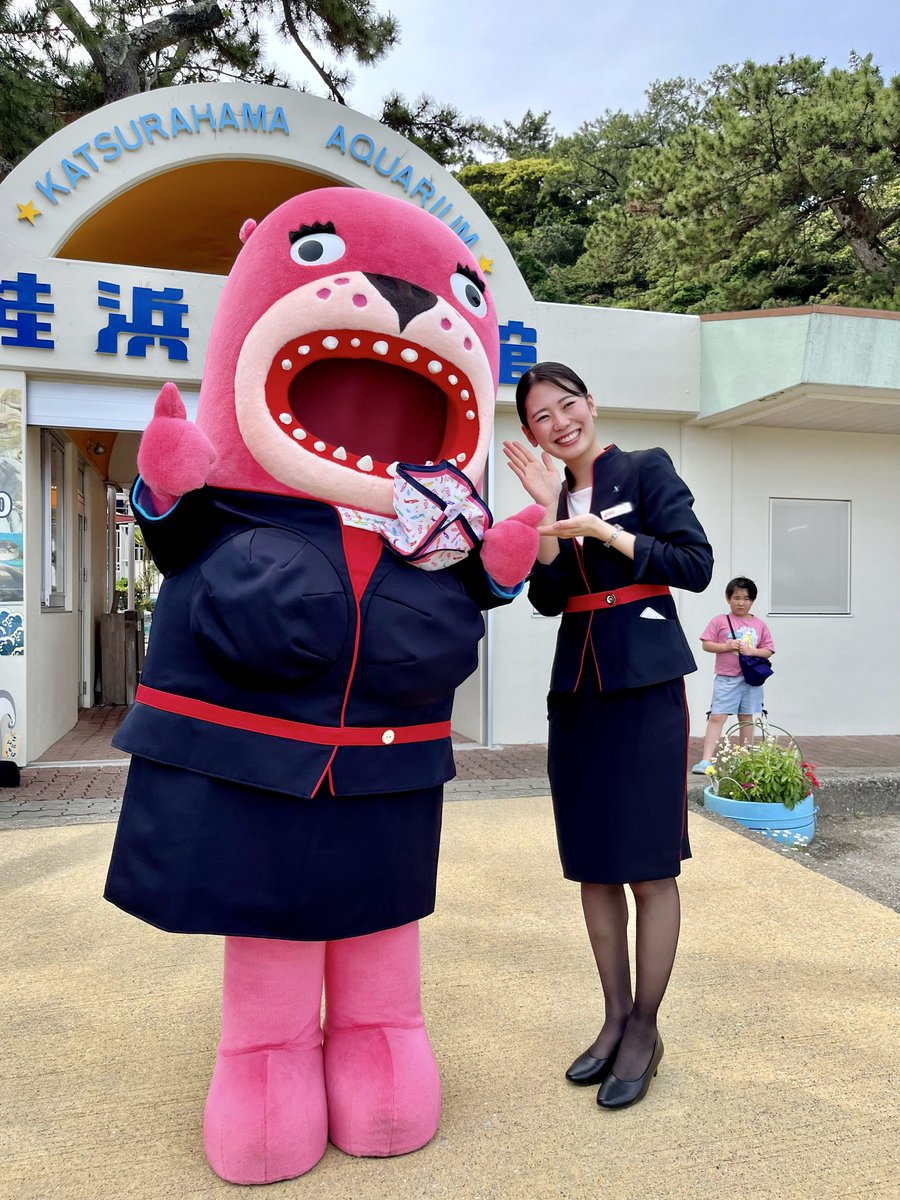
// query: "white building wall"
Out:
[631,361]
[822,661]
[469,718]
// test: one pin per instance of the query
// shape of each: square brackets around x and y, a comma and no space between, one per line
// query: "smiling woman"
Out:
[621,814]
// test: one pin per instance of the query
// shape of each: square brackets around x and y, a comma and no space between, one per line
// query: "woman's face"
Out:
[560,422]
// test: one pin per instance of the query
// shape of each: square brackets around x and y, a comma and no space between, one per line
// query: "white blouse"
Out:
[579,503]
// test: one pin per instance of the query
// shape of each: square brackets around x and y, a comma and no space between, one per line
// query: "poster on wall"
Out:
[12,574]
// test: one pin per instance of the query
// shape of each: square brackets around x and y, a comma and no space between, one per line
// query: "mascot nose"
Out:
[405,298]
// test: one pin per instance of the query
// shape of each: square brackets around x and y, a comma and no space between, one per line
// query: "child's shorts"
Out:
[732,694]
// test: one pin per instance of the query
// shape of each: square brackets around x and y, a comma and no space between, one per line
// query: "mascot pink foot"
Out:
[384,1092]
[327,559]
[271,1105]
[265,1115]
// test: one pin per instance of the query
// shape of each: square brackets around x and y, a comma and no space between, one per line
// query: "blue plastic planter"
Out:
[785,825]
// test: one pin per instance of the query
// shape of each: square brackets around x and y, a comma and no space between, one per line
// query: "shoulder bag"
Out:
[755,670]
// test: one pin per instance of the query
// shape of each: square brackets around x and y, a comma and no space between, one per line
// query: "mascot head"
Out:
[355,331]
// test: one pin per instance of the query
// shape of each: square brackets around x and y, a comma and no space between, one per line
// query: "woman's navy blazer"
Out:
[624,644]
[257,614]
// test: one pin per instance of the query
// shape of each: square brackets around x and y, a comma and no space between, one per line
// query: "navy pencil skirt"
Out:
[195,854]
[617,763]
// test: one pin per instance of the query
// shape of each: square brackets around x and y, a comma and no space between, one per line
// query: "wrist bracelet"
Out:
[609,541]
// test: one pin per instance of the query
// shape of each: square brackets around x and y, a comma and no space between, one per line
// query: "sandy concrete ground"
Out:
[779,1080]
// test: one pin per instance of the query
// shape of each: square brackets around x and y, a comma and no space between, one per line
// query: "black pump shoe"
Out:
[619,1093]
[586,1069]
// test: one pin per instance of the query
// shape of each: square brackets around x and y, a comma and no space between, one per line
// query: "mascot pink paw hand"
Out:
[510,547]
[174,455]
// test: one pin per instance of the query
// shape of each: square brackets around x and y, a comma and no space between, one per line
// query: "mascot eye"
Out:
[317,248]
[466,290]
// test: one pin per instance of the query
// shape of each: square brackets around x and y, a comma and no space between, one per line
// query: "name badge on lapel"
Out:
[617,510]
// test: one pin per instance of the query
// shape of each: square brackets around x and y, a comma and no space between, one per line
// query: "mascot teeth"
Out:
[303,394]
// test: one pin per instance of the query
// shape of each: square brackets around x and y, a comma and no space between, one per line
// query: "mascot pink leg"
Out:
[266,1116]
[384,1092]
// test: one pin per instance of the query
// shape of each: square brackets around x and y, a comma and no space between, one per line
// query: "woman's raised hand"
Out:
[539,477]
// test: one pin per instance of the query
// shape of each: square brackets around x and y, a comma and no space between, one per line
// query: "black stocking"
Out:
[657,927]
[606,917]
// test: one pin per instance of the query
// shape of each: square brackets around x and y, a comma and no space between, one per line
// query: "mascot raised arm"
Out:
[326,560]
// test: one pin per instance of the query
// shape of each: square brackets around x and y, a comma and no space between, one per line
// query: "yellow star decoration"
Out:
[27,212]
[486,264]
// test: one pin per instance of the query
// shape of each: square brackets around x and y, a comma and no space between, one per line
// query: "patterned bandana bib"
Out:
[439,516]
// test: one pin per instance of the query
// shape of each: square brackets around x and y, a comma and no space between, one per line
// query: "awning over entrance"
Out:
[826,368]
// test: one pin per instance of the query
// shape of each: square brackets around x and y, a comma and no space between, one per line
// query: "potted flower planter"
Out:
[789,826]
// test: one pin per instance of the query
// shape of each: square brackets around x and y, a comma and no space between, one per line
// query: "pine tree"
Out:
[59,60]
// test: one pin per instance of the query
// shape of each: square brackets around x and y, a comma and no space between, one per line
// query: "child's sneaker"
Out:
[700,767]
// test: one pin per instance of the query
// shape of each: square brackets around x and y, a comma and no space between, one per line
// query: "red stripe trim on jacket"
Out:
[626,595]
[579,558]
[297,731]
[362,550]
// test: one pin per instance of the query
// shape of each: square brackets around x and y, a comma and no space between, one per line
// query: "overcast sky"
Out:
[495,59]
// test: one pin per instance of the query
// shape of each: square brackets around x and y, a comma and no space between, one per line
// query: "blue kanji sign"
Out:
[146,306]
[518,350]
[19,309]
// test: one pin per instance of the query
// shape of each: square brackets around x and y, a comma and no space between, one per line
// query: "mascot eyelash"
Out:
[470,274]
[306,230]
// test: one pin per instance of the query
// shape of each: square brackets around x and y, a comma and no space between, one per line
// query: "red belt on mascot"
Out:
[298,731]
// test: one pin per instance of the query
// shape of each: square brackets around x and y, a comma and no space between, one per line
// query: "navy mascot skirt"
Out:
[206,855]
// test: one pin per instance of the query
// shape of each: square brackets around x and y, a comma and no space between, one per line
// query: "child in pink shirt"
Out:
[726,636]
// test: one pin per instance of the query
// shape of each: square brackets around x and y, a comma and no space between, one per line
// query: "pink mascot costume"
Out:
[326,561]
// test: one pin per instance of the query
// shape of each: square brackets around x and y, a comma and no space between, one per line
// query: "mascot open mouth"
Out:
[369,401]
